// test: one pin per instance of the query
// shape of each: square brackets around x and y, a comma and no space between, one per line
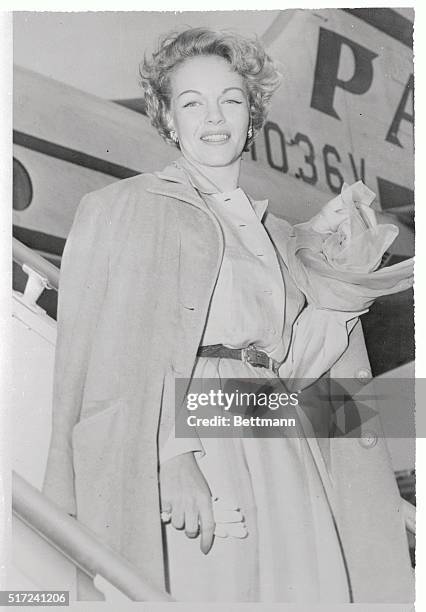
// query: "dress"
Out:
[291,552]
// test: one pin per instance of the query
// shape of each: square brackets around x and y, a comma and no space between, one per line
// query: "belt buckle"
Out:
[255,356]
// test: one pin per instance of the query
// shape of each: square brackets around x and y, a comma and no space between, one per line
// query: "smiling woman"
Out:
[181,275]
[210,119]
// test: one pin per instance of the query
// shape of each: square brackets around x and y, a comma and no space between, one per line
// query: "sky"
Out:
[109,45]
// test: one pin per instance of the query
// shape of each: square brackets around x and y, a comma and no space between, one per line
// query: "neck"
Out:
[223,178]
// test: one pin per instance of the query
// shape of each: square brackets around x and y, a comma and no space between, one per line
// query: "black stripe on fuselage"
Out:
[388,21]
[72,156]
[39,241]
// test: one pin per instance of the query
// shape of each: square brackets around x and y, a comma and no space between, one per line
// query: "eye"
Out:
[191,104]
[232,101]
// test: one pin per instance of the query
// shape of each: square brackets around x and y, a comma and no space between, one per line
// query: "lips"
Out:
[216,137]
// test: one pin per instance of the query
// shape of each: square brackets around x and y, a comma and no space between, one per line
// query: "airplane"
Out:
[344,112]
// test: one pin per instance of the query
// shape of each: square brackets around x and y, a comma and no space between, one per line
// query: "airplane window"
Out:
[22,186]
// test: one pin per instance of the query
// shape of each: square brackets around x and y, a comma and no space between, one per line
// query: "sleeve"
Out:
[170,446]
[82,286]
[173,447]
[334,259]
[319,338]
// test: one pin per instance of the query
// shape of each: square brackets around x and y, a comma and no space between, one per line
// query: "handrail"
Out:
[77,543]
[24,255]
[83,549]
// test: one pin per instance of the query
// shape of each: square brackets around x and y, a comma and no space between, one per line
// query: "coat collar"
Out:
[182,181]
[184,172]
[173,183]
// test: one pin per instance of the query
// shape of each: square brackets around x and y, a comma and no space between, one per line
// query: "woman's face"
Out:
[209,110]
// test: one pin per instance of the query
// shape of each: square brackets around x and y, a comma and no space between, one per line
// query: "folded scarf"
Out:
[334,259]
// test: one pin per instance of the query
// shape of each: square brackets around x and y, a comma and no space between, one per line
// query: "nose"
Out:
[214,114]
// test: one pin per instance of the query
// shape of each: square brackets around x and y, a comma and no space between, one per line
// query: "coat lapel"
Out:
[201,248]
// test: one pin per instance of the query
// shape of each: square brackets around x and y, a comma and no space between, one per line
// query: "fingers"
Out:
[229,521]
[178,517]
[181,518]
[234,530]
[237,530]
[191,523]
[220,531]
[207,527]
[208,520]
[228,516]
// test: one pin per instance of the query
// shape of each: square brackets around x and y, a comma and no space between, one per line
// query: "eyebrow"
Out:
[189,91]
[194,91]
[235,87]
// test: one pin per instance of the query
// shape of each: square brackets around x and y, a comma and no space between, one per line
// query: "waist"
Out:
[250,354]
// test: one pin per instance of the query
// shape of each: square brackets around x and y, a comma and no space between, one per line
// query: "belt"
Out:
[250,354]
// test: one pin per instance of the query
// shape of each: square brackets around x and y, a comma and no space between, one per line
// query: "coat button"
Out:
[368,439]
[363,373]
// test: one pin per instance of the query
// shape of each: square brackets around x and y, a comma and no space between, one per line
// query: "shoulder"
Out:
[122,198]
[121,213]
[123,190]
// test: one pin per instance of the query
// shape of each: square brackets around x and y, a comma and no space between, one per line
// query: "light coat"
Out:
[138,272]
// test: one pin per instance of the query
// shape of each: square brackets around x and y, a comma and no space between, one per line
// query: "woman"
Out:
[162,276]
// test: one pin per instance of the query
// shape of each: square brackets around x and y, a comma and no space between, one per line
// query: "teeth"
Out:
[215,137]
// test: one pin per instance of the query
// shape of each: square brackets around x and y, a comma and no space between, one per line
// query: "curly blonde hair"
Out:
[246,56]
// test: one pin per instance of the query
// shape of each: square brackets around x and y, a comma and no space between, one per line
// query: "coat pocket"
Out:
[98,457]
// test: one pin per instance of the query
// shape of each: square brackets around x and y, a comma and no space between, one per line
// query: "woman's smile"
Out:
[216,137]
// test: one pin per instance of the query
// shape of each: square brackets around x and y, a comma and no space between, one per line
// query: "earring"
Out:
[174,137]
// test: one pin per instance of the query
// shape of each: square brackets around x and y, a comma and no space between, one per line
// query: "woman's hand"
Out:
[185,494]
